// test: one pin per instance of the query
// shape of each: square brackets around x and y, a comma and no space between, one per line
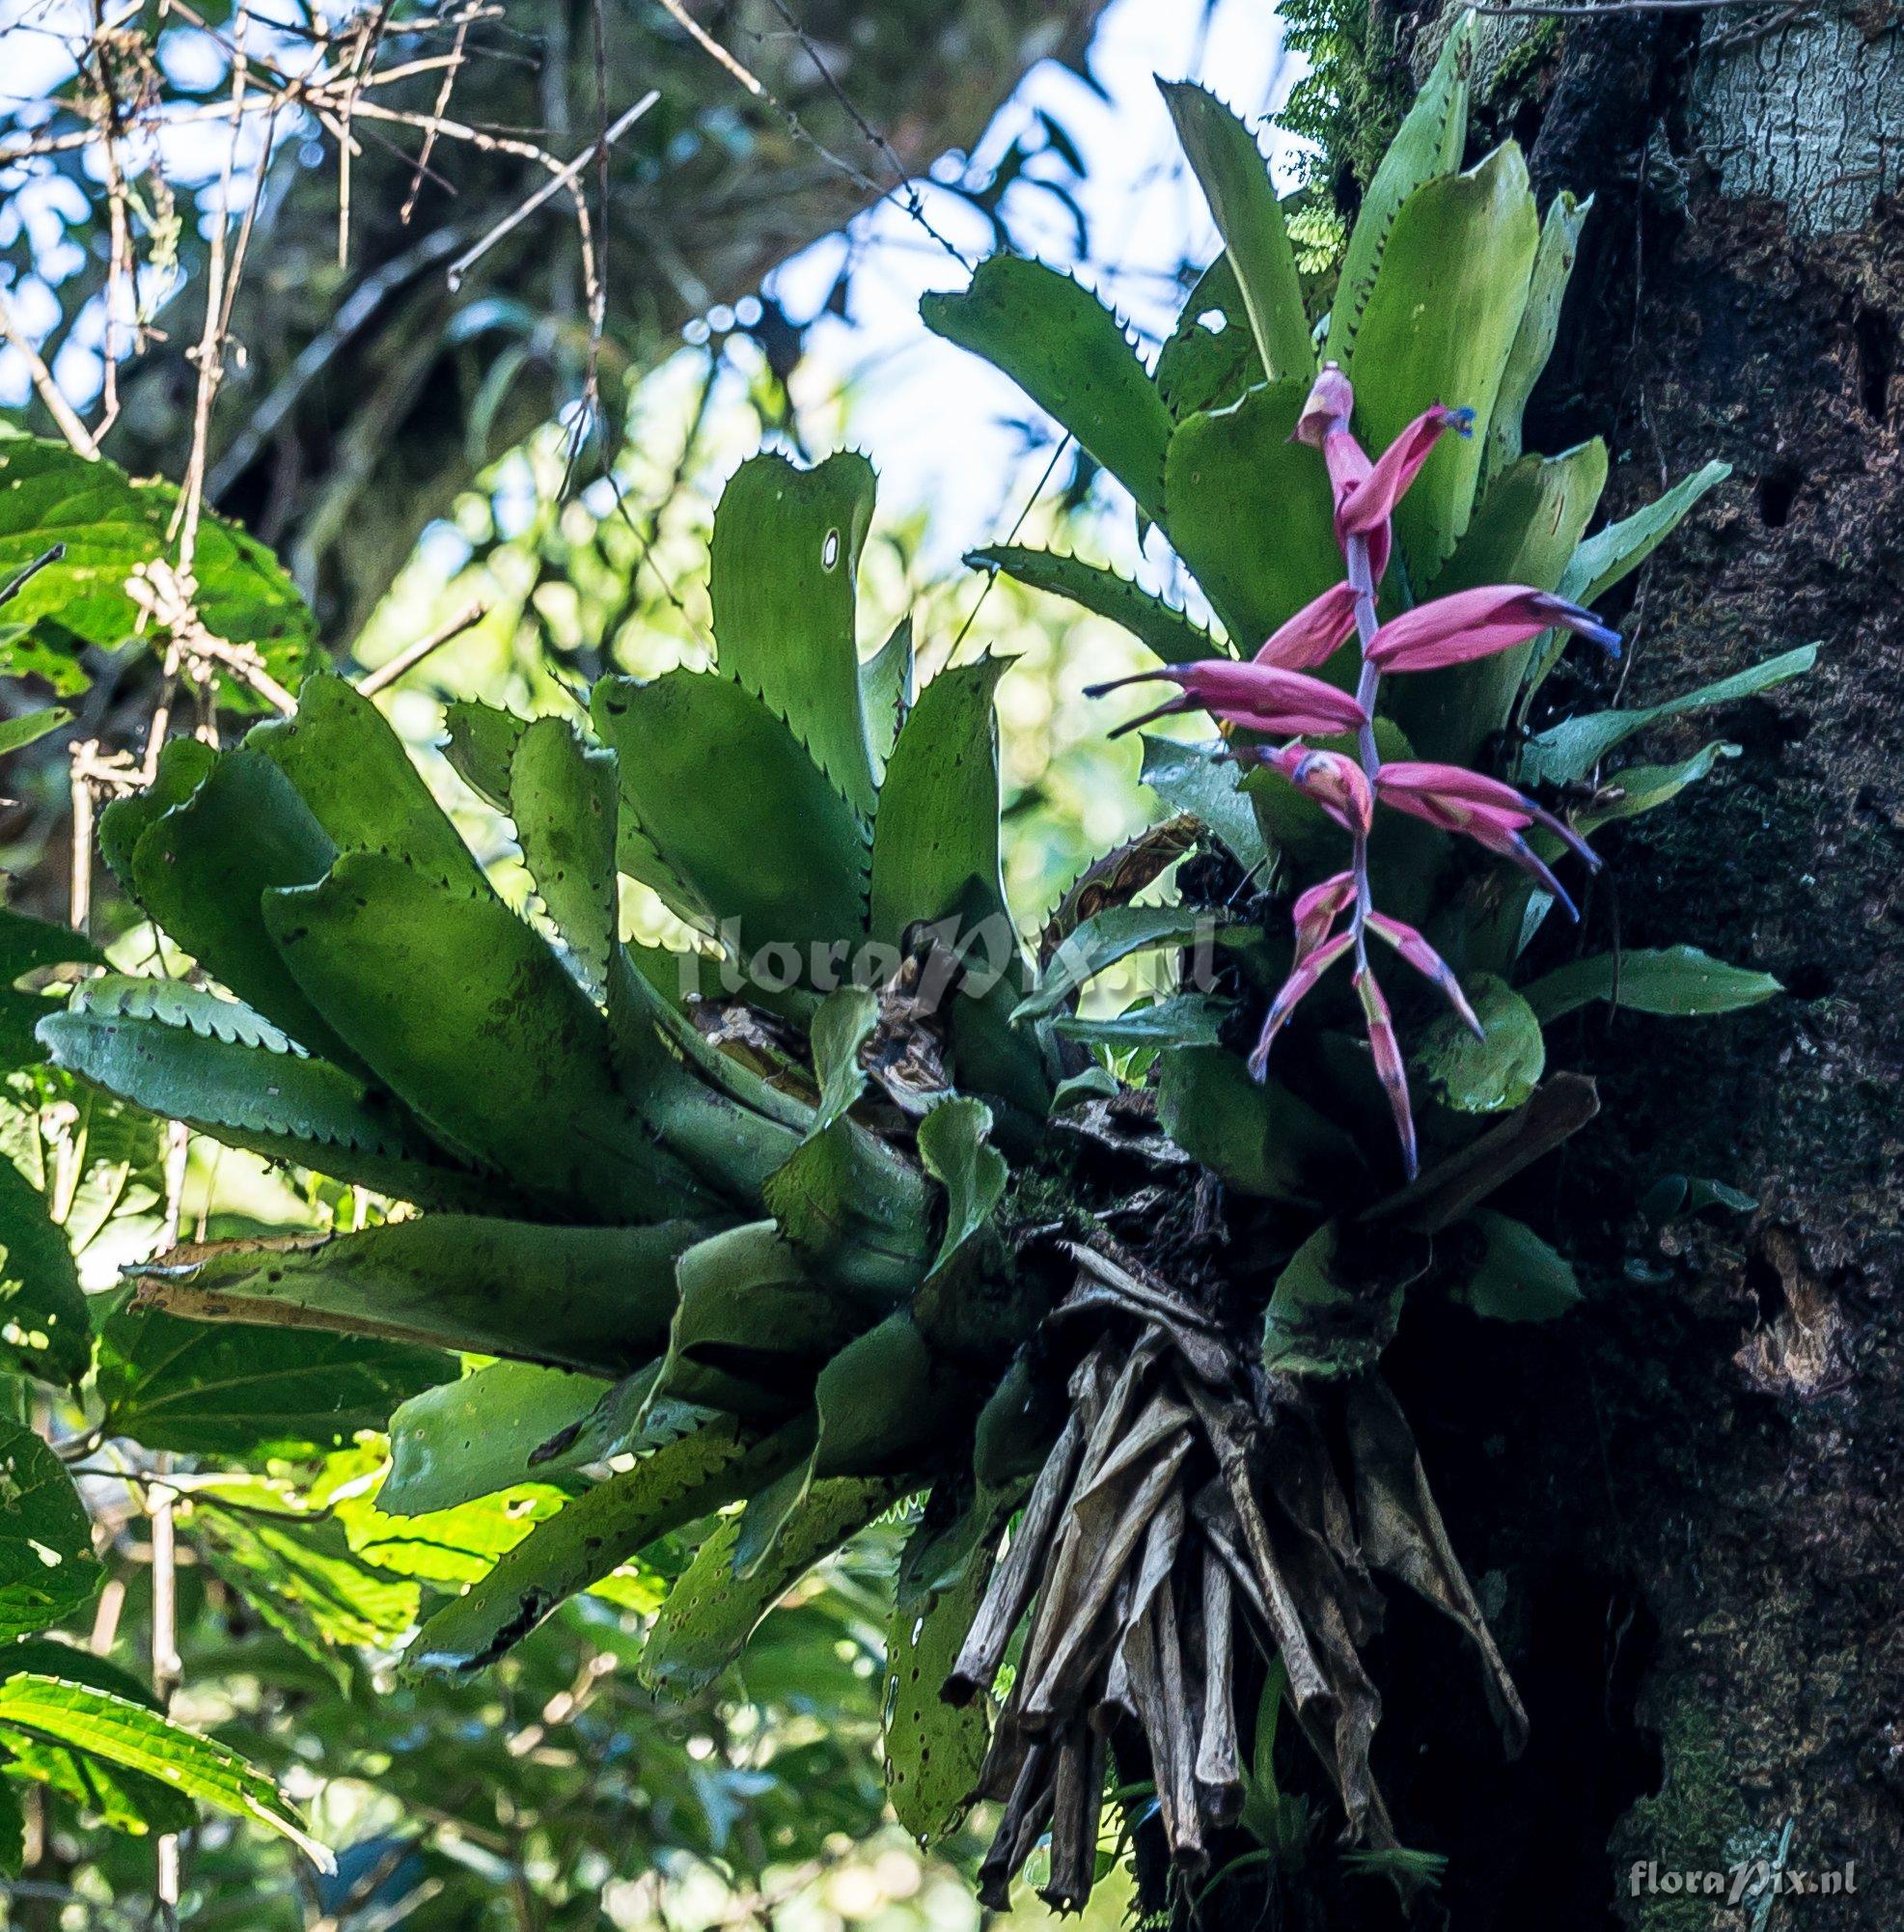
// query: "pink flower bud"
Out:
[1478,622]
[1315,913]
[1315,634]
[1254,696]
[1389,1066]
[1330,405]
[1371,502]
[1494,815]
[1293,990]
[1429,963]
[1336,783]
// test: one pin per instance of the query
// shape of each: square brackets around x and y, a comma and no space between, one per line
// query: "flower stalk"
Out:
[1273,695]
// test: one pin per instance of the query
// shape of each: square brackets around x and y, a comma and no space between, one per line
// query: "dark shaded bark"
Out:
[1685,1506]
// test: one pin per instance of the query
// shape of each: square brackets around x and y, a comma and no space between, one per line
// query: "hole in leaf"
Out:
[829,551]
[1777,492]
[1213,319]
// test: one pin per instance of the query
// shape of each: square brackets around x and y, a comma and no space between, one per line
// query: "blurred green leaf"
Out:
[1319,1324]
[26,944]
[47,1564]
[44,1325]
[233,1389]
[110,525]
[1259,1137]
[30,726]
[1101,941]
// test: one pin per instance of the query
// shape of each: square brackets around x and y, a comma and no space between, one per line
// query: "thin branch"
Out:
[407,660]
[62,413]
[562,177]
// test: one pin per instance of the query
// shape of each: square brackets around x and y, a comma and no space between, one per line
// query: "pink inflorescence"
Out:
[1273,695]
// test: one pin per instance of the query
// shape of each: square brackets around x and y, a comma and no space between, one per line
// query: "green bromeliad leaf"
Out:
[127,1734]
[1438,327]
[234,1388]
[1070,355]
[44,1325]
[887,690]
[502,1425]
[778,850]
[482,742]
[470,1021]
[1570,749]
[564,800]
[356,776]
[1636,788]
[1235,180]
[186,1054]
[842,1025]
[1533,339]
[1321,1323]
[783,565]
[594,1299]
[1210,358]
[46,1566]
[952,1146]
[1518,1277]
[592,1536]
[1175,636]
[1101,941]
[1235,470]
[712,1612]
[1204,781]
[1675,979]
[934,1751]
[182,763]
[1260,1138]
[202,869]
[1611,555]
[1426,148]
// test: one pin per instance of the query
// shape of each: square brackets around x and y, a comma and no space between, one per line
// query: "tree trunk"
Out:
[1685,1506]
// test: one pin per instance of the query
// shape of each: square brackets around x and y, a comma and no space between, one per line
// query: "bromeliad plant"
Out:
[881,1220]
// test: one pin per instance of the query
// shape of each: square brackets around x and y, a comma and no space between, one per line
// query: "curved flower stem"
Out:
[1362,580]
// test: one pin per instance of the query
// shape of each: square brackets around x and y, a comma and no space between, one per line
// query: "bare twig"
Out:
[408,659]
[62,413]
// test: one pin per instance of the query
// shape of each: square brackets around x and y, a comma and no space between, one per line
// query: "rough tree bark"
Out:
[1687,1502]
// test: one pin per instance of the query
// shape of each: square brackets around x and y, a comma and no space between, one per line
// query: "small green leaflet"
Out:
[15,734]
[1518,1277]
[1570,750]
[137,1739]
[1186,1019]
[951,1142]
[1316,1324]
[1612,555]
[1675,979]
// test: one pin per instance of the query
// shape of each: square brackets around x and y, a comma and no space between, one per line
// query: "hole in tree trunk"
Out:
[1776,493]
[1874,342]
